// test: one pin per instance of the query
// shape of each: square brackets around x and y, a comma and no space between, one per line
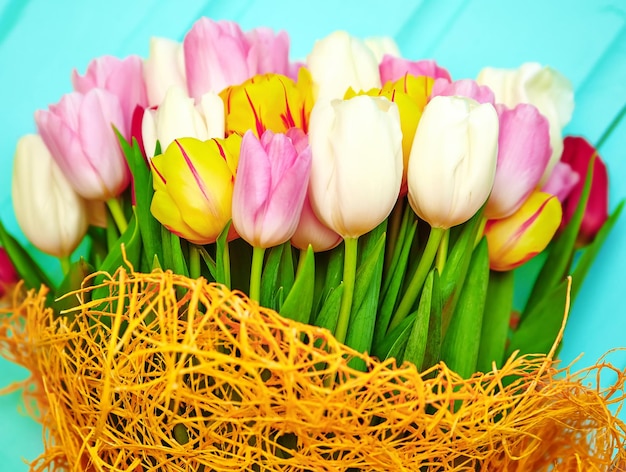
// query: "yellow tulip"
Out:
[518,238]
[193,187]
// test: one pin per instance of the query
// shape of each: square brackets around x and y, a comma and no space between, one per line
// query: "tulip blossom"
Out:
[267,102]
[356,170]
[543,87]
[562,181]
[270,188]
[178,117]
[465,88]
[393,68]
[339,62]
[78,131]
[164,68]
[453,160]
[218,54]
[523,154]
[48,210]
[122,77]
[311,231]
[382,46]
[577,153]
[193,187]
[524,234]
[8,275]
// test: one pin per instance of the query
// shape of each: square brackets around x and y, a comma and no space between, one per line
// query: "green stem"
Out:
[118,214]
[611,128]
[65,263]
[255,273]
[194,261]
[413,290]
[481,230]
[349,276]
[226,262]
[442,251]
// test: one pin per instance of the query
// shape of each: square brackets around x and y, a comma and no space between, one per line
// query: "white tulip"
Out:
[164,68]
[48,210]
[339,62]
[381,46]
[356,170]
[452,164]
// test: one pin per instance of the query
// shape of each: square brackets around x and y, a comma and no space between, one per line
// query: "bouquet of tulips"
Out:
[359,192]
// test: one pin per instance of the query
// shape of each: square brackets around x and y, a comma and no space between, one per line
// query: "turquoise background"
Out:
[42,41]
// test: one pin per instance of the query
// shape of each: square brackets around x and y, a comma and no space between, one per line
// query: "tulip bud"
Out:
[49,212]
[562,181]
[193,187]
[523,154]
[164,68]
[464,88]
[382,46]
[356,171]
[177,117]
[453,160]
[339,62]
[543,87]
[270,187]
[78,131]
[311,231]
[394,68]
[518,238]
[122,77]
[8,275]
[269,52]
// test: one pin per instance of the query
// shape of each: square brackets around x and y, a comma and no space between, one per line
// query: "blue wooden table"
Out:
[42,41]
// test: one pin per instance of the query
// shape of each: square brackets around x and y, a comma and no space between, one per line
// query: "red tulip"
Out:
[8,275]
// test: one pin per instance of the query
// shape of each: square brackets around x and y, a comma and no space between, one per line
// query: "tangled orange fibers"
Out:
[166,373]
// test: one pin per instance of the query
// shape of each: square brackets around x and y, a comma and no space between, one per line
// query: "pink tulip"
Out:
[393,68]
[219,54]
[78,131]
[523,154]
[270,187]
[561,182]
[312,231]
[464,88]
[122,77]
[577,152]
[8,275]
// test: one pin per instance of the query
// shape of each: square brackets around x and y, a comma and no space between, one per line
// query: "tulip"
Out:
[339,62]
[518,238]
[311,231]
[543,87]
[578,153]
[562,181]
[178,117]
[356,170]
[270,188]
[382,46]
[78,131]
[122,77]
[8,275]
[218,54]
[453,160]
[50,213]
[523,154]
[193,187]
[464,88]
[267,102]
[164,68]
[393,68]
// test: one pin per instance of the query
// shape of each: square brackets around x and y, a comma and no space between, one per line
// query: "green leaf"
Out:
[329,313]
[269,279]
[561,251]
[286,274]
[330,267]
[496,320]
[394,343]
[222,258]
[72,281]
[432,354]
[365,300]
[461,342]
[24,264]
[173,255]
[208,261]
[416,343]
[538,331]
[299,303]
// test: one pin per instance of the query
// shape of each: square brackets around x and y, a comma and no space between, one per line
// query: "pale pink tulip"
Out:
[270,187]
[463,88]
[523,154]
[269,52]
[122,77]
[562,181]
[78,131]
[392,68]
[312,231]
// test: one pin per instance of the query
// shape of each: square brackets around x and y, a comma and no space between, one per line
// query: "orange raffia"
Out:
[170,373]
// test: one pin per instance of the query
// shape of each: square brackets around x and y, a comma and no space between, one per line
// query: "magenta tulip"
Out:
[523,154]
[270,187]
[393,68]
[78,131]
[464,88]
[122,77]
[8,275]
